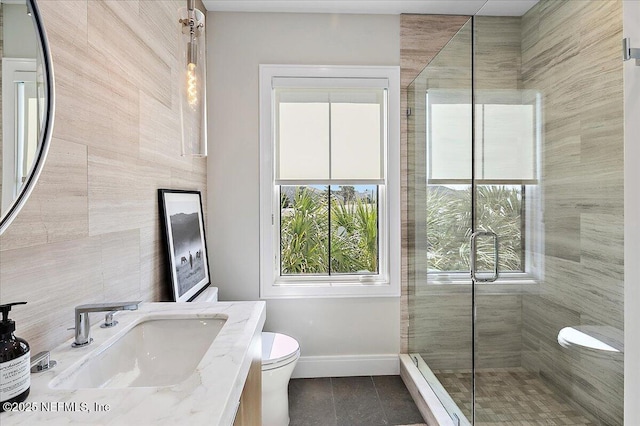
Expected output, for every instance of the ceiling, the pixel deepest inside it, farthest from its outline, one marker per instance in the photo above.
(392, 7)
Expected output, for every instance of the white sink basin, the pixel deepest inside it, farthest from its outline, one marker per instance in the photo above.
(155, 352)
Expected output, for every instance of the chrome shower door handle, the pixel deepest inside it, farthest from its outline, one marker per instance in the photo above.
(474, 256)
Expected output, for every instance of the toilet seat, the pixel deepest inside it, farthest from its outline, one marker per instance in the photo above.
(278, 350)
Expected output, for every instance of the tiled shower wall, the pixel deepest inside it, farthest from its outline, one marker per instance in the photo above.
(497, 65)
(571, 53)
(90, 231)
(421, 38)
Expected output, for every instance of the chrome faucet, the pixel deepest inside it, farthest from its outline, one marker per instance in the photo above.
(83, 326)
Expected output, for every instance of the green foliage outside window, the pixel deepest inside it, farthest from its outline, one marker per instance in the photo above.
(307, 246)
(498, 209)
(351, 246)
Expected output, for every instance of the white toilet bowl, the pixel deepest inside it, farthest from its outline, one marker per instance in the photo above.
(280, 354)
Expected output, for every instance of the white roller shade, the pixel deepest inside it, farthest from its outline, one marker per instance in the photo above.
(302, 149)
(508, 142)
(449, 137)
(505, 137)
(330, 135)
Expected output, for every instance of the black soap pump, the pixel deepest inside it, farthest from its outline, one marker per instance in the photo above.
(15, 374)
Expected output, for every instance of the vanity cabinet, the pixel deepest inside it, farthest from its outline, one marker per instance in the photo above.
(250, 408)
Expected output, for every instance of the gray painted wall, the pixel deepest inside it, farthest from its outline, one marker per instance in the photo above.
(19, 33)
(239, 42)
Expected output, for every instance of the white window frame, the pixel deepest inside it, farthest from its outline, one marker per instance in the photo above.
(387, 282)
(533, 232)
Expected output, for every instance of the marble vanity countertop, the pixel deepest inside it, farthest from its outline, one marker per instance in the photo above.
(209, 396)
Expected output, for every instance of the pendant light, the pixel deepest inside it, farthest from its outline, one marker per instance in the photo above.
(193, 109)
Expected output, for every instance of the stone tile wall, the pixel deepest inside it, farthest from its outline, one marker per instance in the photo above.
(421, 38)
(571, 54)
(90, 231)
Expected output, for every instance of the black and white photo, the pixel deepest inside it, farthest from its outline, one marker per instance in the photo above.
(182, 216)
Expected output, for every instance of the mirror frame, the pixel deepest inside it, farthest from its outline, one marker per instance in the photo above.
(47, 125)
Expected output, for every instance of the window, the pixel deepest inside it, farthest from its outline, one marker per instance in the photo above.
(507, 141)
(329, 230)
(500, 208)
(329, 179)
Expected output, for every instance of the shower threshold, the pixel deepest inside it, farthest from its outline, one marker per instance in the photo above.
(432, 399)
(503, 396)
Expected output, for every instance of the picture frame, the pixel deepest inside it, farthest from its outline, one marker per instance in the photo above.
(185, 243)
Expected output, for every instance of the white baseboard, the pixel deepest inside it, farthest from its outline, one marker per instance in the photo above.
(346, 365)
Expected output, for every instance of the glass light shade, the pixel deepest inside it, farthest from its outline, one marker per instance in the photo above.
(193, 99)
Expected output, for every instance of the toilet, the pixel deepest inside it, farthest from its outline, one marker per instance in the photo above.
(280, 354)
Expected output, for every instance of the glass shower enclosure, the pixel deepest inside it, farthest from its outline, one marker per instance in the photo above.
(496, 325)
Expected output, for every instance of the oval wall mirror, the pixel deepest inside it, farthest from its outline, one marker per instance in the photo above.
(27, 104)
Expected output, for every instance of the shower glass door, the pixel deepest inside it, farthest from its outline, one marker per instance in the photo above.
(515, 144)
(440, 152)
(473, 166)
(507, 210)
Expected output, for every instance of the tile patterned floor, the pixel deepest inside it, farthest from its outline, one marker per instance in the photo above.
(510, 397)
(351, 401)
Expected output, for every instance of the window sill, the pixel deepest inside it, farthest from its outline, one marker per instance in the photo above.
(500, 281)
(292, 290)
(507, 285)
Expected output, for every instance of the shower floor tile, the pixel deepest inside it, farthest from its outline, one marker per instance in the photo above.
(510, 397)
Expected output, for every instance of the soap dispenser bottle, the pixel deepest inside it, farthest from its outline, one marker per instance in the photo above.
(15, 374)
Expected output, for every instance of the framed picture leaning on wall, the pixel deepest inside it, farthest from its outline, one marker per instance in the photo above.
(183, 225)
